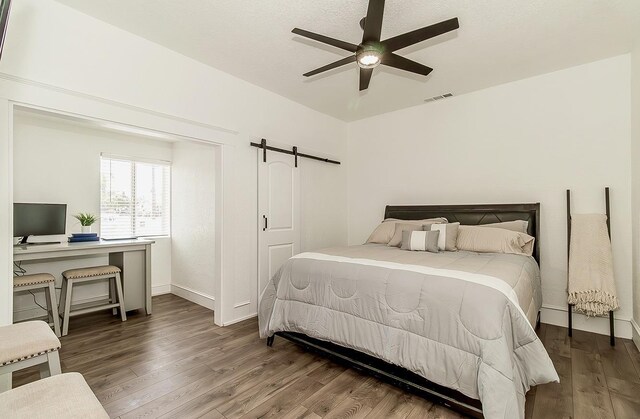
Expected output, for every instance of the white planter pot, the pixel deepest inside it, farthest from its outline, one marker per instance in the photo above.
(86, 229)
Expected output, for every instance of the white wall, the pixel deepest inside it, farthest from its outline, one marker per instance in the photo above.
(193, 205)
(635, 156)
(59, 58)
(57, 161)
(6, 217)
(526, 141)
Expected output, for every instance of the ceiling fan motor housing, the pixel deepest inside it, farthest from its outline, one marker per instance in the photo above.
(369, 54)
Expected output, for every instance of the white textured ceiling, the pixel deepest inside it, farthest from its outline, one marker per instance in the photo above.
(498, 41)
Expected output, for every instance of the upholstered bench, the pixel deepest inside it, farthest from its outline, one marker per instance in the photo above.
(97, 273)
(24, 345)
(62, 396)
(45, 282)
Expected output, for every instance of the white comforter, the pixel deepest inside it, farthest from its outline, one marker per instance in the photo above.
(460, 319)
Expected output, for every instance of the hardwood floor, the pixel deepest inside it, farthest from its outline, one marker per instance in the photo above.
(178, 364)
(596, 380)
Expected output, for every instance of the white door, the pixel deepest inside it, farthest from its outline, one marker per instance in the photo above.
(278, 214)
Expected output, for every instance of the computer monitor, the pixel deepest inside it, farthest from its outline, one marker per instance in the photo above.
(38, 220)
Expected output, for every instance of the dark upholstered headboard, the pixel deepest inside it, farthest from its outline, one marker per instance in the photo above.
(474, 215)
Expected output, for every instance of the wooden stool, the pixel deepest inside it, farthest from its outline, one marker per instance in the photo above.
(26, 344)
(62, 396)
(41, 281)
(76, 276)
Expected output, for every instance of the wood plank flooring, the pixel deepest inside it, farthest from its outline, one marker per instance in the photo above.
(178, 364)
(596, 380)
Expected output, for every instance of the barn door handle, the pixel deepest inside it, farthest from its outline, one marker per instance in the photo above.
(266, 223)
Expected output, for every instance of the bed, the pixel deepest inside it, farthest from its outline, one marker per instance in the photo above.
(457, 327)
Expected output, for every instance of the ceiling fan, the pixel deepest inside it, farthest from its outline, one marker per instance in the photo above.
(372, 52)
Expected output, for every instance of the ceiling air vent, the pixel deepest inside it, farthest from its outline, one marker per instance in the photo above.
(433, 99)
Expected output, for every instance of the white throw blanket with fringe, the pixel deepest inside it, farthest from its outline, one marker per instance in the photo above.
(592, 288)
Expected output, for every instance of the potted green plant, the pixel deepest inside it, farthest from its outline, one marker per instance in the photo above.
(86, 221)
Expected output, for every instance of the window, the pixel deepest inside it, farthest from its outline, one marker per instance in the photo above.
(134, 198)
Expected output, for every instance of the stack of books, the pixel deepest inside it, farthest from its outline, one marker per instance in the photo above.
(84, 237)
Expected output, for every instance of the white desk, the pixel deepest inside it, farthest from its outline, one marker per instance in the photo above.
(132, 256)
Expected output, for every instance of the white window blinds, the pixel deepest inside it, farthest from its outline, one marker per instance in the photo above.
(135, 198)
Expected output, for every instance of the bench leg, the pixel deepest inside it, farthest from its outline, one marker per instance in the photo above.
(123, 313)
(49, 302)
(112, 294)
(51, 366)
(67, 306)
(5, 382)
(53, 361)
(54, 308)
(63, 298)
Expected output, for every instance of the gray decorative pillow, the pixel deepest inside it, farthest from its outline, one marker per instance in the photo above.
(448, 235)
(420, 240)
(386, 230)
(396, 240)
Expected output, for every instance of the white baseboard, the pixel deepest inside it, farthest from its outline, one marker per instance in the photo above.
(234, 321)
(635, 332)
(242, 304)
(161, 289)
(558, 316)
(194, 296)
(35, 312)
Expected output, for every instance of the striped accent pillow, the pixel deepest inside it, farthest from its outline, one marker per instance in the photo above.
(448, 235)
(420, 240)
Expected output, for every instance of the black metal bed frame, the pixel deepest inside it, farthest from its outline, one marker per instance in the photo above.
(396, 375)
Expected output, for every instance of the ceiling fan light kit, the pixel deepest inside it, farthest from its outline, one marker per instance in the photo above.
(372, 52)
(369, 56)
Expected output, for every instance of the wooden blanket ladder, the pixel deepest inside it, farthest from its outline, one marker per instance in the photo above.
(612, 338)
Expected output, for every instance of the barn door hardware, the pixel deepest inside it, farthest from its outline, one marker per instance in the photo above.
(263, 145)
(294, 152)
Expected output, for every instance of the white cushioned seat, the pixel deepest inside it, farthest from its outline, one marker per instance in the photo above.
(89, 272)
(22, 341)
(60, 396)
(32, 279)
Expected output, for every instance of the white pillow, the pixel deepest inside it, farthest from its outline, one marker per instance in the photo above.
(494, 240)
(448, 235)
(516, 225)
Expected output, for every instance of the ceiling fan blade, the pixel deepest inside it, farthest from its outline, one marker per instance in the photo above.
(333, 65)
(396, 61)
(419, 35)
(373, 21)
(365, 78)
(326, 40)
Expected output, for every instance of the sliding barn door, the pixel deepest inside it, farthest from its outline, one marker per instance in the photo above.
(278, 214)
